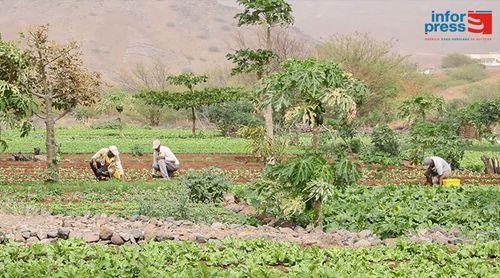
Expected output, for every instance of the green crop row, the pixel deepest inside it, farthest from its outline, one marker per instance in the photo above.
(391, 211)
(252, 258)
(155, 199)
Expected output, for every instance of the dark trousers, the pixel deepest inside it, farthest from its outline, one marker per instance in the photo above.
(100, 172)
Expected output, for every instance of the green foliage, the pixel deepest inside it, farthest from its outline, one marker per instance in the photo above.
(261, 146)
(82, 114)
(189, 99)
(247, 258)
(382, 158)
(206, 186)
(152, 113)
(137, 150)
(469, 73)
(188, 80)
(380, 209)
(269, 12)
(15, 104)
(438, 140)
(251, 61)
(385, 73)
(113, 100)
(311, 177)
(483, 115)
(80, 139)
(111, 124)
(231, 115)
(455, 60)
(420, 106)
(153, 199)
(384, 139)
(304, 89)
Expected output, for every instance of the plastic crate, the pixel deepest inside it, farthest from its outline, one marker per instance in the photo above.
(451, 182)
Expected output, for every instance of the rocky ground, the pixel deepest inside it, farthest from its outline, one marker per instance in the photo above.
(103, 229)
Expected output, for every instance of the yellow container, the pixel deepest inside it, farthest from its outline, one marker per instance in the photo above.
(451, 182)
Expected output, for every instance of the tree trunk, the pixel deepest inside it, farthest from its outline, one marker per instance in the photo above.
(50, 142)
(315, 137)
(120, 126)
(318, 222)
(193, 118)
(268, 111)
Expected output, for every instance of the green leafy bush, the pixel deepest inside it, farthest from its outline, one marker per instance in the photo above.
(137, 150)
(206, 185)
(472, 209)
(112, 124)
(455, 60)
(384, 139)
(303, 183)
(246, 258)
(230, 116)
(469, 73)
(441, 139)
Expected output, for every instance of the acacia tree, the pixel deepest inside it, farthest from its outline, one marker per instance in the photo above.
(15, 105)
(189, 80)
(268, 13)
(192, 99)
(58, 81)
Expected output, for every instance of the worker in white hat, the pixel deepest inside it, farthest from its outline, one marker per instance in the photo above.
(436, 170)
(106, 163)
(164, 160)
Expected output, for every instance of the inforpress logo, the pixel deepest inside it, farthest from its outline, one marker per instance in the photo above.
(480, 22)
(459, 25)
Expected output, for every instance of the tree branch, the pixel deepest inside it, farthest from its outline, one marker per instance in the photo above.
(39, 116)
(37, 94)
(62, 115)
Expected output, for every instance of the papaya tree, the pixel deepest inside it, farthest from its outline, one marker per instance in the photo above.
(419, 107)
(267, 13)
(58, 81)
(305, 90)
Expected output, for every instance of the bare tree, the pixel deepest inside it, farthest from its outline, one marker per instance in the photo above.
(142, 76)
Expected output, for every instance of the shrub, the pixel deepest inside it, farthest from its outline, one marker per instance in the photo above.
(470, 73)
(206, 185)
(137, 150)
(230, 116)
(456, 60)
(300, 185)
(82, 114)
(260, 146)
(112, 124)
(436, 139)
(355, 144)
(384, 139)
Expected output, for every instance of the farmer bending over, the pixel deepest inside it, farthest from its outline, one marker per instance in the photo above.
(436, 170)
(106, 163)
(164, 160)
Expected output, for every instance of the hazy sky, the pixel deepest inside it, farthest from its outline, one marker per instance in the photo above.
(402, 20)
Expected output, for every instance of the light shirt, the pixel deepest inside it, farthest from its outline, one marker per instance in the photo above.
(167, 153)
(440, 165)
(113, 164)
